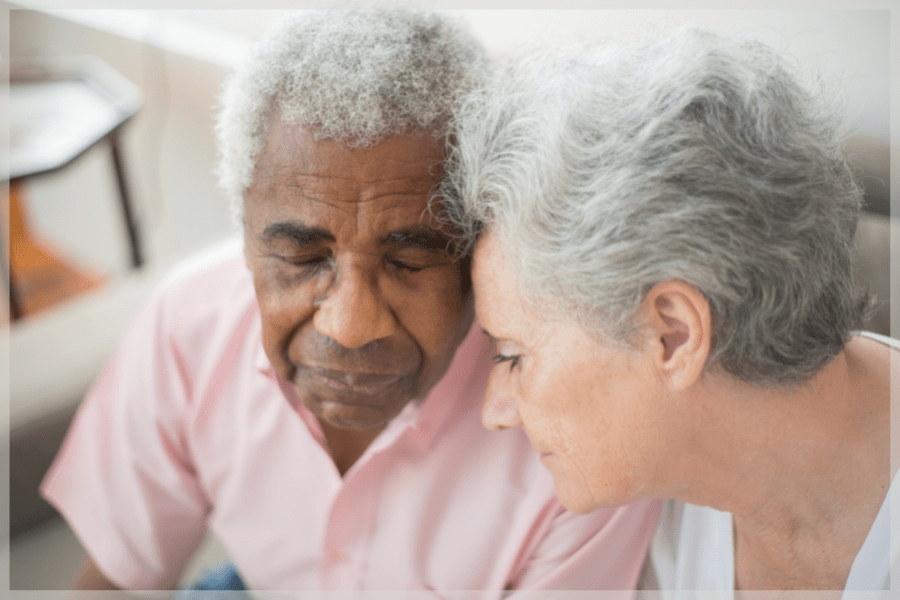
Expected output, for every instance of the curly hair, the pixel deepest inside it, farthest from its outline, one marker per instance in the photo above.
(356, 76)
(686, 156)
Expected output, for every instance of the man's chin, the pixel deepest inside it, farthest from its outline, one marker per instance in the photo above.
(343, 415)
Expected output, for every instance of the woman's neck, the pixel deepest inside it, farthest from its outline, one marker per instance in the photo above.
(803, 470)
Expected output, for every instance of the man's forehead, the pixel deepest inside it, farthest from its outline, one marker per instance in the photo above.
(302, 183)
(415, 149)
(399, 170)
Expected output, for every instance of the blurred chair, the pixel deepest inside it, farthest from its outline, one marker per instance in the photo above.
(58, 111)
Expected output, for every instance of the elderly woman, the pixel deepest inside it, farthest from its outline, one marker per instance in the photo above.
(664, 239)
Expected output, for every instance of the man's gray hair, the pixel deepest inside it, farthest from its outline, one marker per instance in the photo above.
(685, 156)
(356, 76)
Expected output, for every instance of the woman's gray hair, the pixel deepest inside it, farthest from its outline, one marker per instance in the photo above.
(685, 156)
(356, 76)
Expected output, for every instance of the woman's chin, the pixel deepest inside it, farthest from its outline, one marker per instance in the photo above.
(572, 494)
(579, 496)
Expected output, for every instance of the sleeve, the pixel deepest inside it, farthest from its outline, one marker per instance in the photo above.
(123, 478)
(602, 550)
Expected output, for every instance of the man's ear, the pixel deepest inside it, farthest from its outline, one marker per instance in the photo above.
(677, 319)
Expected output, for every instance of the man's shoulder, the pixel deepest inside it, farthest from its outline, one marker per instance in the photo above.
(210, 290)
(218, 261)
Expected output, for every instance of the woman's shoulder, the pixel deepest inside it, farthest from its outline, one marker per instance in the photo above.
(875, 359)
(888, 341)
(874, 362)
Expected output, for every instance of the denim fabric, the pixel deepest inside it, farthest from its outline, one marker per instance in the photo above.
(223, 578)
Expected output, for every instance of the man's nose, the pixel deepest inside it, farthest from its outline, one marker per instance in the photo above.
(500, 411)
(354, 313)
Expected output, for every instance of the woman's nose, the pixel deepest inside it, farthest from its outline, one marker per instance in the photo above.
(500, 411)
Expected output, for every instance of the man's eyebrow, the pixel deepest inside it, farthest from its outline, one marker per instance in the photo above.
(418, 237)
(296, 232)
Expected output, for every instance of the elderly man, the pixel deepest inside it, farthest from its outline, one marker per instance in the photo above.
(315, 401)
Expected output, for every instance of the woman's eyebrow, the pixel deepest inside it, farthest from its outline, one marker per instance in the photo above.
(489, 335)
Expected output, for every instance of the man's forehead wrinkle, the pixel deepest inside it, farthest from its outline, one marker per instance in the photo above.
(330, 200)
(414, 181)
(409, 186)
(297, 176)
(302, 194)
(417, 174)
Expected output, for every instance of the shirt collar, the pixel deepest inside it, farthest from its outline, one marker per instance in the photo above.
(463, 383)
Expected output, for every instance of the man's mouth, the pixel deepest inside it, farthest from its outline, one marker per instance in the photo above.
(357, 384)
(352, 400)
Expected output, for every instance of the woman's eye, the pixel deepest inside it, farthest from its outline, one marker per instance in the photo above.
(512, 359)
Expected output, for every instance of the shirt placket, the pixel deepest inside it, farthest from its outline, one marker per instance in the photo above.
(352, 519)
(347, 537)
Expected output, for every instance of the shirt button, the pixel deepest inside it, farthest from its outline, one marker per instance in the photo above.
(339, 557)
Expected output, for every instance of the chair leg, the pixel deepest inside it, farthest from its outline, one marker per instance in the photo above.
(127, 212)
(15, 306)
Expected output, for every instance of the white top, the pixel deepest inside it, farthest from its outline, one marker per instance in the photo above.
(693, 547)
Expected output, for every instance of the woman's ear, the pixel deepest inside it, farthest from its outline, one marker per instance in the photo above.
(677, 319)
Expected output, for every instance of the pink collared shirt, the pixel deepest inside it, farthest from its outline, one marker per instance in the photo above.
(189, 428)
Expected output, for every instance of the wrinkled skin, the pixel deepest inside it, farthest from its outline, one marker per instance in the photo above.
(597, 415)
(362, 304)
